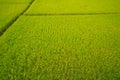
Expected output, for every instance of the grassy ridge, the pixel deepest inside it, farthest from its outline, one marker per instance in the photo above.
(13, 1)
(62, 48)
(9, 10)
(9, 13)
(74, 6)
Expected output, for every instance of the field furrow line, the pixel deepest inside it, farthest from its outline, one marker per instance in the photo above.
(15, 19)
(69, 14)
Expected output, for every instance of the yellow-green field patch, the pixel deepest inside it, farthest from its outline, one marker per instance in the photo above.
(61, 48)
(74, 6)
(14, 1)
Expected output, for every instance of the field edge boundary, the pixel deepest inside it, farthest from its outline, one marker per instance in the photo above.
(10, 23)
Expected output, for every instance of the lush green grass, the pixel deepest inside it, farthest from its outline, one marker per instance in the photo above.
(13, 1)
(9, 10)
(74, 6)
(9, 13)
(61, 48)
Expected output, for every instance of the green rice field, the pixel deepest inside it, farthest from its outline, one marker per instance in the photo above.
(74, 6)
(59, 40)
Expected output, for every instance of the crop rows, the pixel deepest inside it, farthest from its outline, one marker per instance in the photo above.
(60, 40)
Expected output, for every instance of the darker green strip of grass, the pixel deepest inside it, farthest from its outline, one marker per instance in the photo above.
(52, 14)
(5, 28)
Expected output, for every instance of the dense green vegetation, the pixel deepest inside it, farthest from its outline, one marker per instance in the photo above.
(13, 1)
(60, 47)
(9, 13)
(9, 10)
(74, 6)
